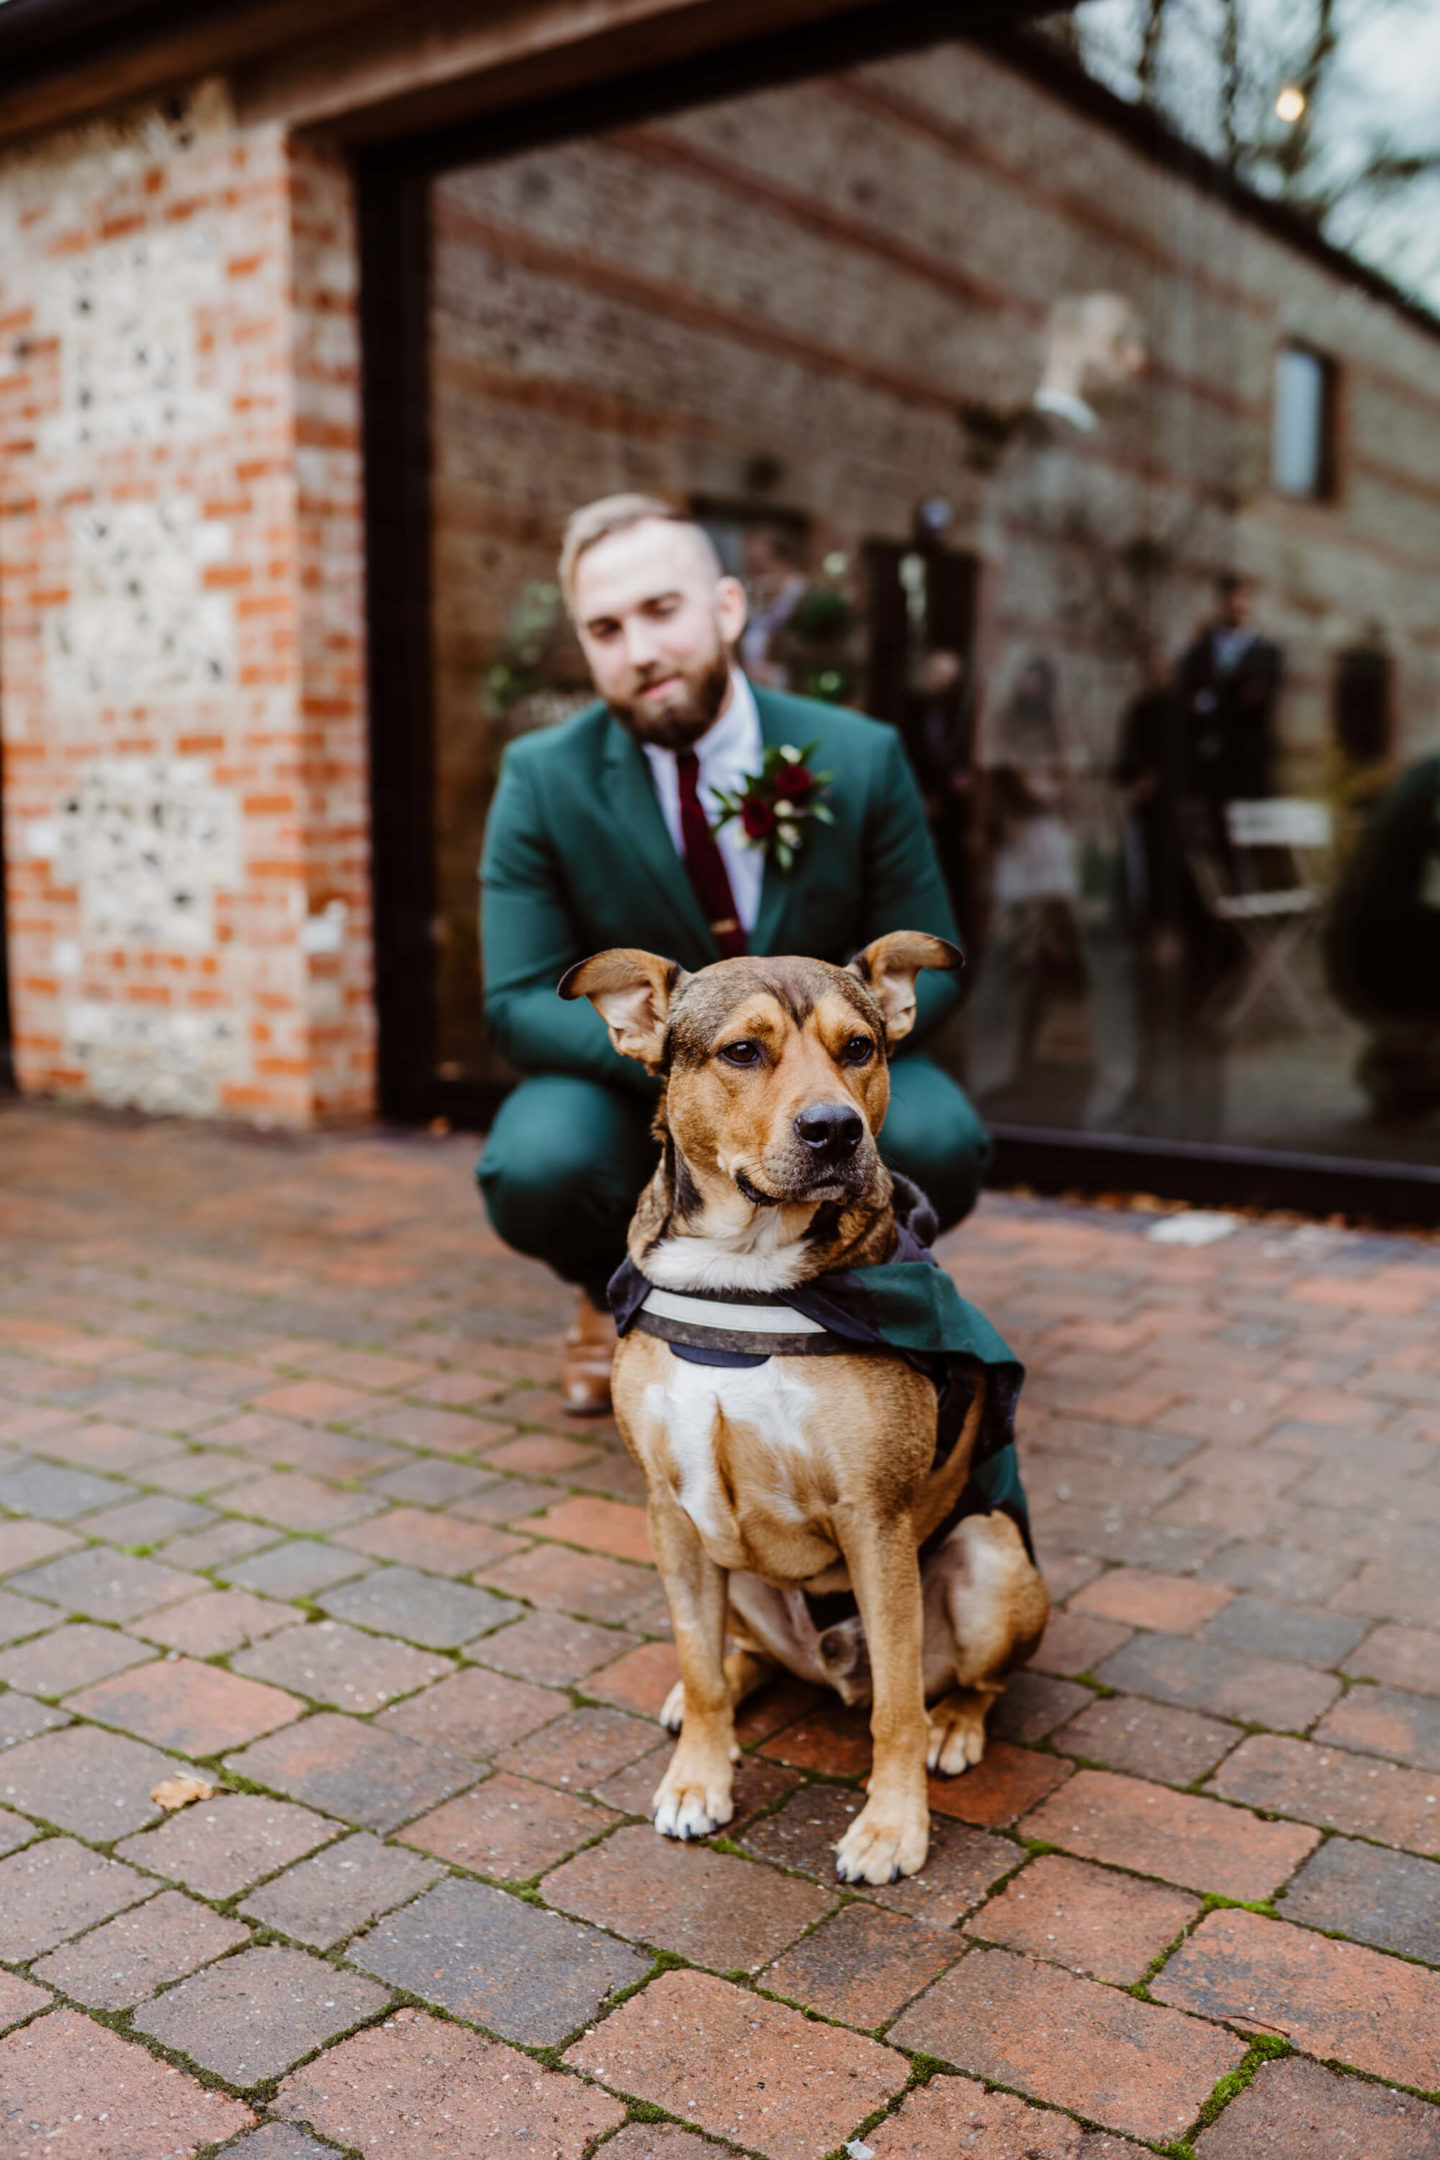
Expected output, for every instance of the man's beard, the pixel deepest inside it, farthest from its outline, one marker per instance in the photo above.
(677, 725)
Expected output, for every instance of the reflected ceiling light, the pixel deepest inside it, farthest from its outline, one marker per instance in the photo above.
(1290, 103)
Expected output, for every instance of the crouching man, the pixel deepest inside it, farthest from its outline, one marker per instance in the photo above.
(606, 831)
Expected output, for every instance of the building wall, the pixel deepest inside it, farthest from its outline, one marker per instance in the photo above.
(181, 618)
(816, 280)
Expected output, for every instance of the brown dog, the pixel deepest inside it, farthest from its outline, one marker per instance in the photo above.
(768, 1480)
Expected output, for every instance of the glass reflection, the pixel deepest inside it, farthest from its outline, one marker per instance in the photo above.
(1071, 401)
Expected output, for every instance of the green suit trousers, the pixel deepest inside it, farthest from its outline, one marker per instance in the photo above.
(567, 1158)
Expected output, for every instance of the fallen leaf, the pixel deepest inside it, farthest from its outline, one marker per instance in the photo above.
(176, 1792)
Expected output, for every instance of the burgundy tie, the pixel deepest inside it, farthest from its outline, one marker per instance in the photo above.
(704, 862)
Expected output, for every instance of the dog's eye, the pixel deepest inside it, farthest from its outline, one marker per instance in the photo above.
(858, 1051)
(744, 1052)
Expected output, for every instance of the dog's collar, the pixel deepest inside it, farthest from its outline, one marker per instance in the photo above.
(744, 1324)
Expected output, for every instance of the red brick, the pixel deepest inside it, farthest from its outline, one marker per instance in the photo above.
(321, 1900)
(508, 1828)
(303, 1504)
(587, 1584)
(1109, 1926)
(357, 1771)
(19, 2000)
(116, 1966)
(182, 1704)
(440, 1544)
(97, 1784)
(220, 1846)
(1335, 1789)
(639, 1681)
(322, 1400)
(775, 1705)
(953, 2115)
(1399, 1657)
(93, 2096)
(1383, 1721)
(1296, 2108)
(831, 1739)
(606, 1526)
(1151, 1739)
(1001, 1787)
(1181, 1837)
(710, 1907)
(444, 1432)
(539, 1455)
(252, 2016)
(416, 2089)
(551, 1648)
(1128, 2065)
(1129, 1405)
(1332, 1999)
(1140, 1598)
(328, 1662)
(1202, 1675)
(1383, 1591)
(742, 2067)
(369, 1369)
(525, 1972)
(475, 1712)
(55, 1888)
(862, 1965)
(662, 2141)
(1075, 1643)
(26, 1544)
(70, 1657)
(214, 1623)
(456, 1390)
(580, 1749)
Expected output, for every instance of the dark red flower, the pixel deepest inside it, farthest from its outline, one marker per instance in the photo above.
(758, 818)
(793, 783)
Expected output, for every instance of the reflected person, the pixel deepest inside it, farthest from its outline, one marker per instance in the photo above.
(1382, 947)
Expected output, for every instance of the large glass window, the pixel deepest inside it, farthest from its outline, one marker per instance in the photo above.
(1076, 412)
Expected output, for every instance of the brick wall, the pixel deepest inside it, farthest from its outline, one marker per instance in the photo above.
(181, 618)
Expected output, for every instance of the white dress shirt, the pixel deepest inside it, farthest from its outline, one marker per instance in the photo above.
(729, 751)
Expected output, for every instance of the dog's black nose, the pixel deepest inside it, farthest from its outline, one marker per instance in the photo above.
(829, 1128)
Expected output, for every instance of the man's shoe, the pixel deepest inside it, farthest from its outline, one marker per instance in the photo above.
(585, 1367)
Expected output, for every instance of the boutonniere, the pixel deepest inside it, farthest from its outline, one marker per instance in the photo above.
(775, 804)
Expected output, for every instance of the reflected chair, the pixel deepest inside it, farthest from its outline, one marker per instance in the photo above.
(1270, 893)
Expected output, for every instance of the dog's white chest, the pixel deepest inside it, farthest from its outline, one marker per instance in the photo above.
(769, 1404)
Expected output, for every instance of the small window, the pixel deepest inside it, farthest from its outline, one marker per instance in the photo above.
(1304, 447)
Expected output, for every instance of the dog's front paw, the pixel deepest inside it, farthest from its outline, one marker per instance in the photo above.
(956, 1739)
(693, 1799)
(882, 1844)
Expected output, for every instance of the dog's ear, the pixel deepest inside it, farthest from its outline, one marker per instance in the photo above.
(632, 991)
(888, 969)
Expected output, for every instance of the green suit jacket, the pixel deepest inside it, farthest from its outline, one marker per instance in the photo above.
(577, 858)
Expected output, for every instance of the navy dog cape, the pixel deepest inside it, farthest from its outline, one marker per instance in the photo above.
(908, 1304)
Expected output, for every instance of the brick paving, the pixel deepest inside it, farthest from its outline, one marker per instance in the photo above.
(287, 1499)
